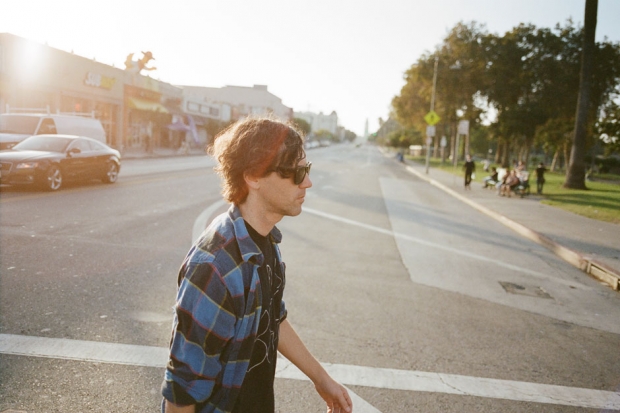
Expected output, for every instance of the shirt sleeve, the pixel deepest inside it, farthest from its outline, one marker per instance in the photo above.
(203, 326)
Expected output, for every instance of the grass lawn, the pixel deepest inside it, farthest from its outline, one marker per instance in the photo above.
(600, 201)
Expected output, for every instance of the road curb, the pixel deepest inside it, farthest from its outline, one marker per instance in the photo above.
(585, 263)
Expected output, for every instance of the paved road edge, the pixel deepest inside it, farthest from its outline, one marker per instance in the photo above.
(585, 263)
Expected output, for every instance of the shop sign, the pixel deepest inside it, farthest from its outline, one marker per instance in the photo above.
(98, 80)
(146, 94)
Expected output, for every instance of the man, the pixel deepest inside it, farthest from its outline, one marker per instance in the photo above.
(492, 179)
(469, 167)
(540, 177)
(230, 319)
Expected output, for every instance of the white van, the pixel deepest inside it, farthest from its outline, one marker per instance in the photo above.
(15, 127)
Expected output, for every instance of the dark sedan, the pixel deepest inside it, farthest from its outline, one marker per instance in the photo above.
(50, 160)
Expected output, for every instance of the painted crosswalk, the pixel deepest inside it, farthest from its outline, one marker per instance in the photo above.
(350, 375)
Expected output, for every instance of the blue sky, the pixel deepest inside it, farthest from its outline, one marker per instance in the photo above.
(319, 55)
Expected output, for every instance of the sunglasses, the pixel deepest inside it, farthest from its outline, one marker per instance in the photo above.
(298, 173)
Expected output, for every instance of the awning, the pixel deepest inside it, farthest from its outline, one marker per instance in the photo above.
(148, 105)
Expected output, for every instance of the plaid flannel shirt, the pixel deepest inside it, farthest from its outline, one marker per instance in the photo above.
(217, 313)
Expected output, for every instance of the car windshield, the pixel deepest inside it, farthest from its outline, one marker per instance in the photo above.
(44, 143)
(22, 124)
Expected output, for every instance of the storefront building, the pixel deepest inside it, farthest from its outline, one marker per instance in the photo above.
(39, 78)
(35, 77)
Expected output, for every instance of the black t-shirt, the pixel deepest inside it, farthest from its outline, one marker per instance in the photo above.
(469, 167)
(256, 395)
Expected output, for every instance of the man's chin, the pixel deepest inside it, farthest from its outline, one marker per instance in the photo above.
(295, 212)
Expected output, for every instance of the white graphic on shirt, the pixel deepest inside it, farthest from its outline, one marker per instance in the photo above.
(265, 344)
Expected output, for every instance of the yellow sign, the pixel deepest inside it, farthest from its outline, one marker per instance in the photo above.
(432, 118)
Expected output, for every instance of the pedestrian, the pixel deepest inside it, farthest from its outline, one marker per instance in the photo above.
(485, 165)
(510, 182)
(230, 319)
(492, 179)
(540, 177)
(469, 167)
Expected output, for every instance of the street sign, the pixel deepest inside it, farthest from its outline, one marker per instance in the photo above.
(463, 127)
(430, 131)
(443, 142)
(429, 140)
(432, 118)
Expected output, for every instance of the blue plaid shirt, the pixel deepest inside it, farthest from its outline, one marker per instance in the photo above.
(217, 313)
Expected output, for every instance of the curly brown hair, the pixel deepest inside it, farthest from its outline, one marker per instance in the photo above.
(257, 147)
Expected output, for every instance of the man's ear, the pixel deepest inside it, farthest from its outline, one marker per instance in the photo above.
(251, 181)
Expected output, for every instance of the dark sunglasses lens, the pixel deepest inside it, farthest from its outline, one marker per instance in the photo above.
(300, 173)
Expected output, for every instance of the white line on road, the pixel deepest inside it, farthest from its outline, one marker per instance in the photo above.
(126, 354)
(149, 356)
(441, 247)
(201, 222)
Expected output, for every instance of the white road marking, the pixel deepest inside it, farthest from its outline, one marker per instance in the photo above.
(149, 356)
(93, 351)
(201, 222)
(439, 246)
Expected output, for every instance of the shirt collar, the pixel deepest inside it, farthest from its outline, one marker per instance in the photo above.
(247, 247)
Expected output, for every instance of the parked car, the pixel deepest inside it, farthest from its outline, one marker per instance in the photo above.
(49, 160)
(15, 127)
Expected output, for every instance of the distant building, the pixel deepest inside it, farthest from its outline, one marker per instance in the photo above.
(136, 111)
(235, 102)
(319, 121)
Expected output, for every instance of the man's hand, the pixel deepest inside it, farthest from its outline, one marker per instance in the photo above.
(335, 395)
(291, 347)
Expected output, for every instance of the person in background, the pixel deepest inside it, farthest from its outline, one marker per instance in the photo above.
(230, 319)
(469, 167)
(492, 179)
(540, 178)
(510, 183)
(485, 165)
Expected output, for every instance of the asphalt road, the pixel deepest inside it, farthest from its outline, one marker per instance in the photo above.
(384, 271)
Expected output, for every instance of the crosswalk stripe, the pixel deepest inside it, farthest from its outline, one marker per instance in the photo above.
(150, 356)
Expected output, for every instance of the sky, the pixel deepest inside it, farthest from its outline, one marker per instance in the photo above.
(347, 56)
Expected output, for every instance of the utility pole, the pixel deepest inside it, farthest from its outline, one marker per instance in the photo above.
(431, 129)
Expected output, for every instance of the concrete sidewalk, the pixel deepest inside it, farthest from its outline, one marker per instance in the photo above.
(591, 245)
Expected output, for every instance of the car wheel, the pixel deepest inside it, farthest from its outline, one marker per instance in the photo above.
(111, 174)
(53, 178)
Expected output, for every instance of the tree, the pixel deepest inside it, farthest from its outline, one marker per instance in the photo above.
(520, 69)
(608, 128)
(576, 174)
(460, 75)
(324, 134)
(404, 138)
(530, 76)
(303, 125)
(555, 137)
(349, 135)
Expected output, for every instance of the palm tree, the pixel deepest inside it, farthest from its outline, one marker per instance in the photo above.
(576, 173)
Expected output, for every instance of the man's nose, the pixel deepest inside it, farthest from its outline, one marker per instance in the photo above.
(307, 182)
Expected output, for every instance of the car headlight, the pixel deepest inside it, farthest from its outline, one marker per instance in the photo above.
(27, 165)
